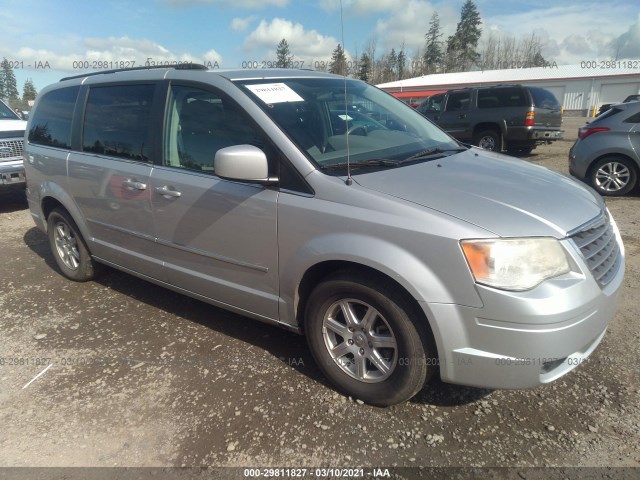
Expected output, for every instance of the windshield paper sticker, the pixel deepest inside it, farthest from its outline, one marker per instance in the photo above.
(275, 93)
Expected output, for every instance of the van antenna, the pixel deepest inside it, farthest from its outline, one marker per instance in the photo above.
(349, 181)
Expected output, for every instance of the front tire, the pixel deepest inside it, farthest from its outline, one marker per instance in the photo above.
(367, 339)
(613, 176)
(68, 247)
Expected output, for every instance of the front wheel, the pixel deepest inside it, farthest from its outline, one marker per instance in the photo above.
(68, 247)
(364, 339)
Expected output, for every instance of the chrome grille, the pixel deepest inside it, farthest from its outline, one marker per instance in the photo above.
(600, 249)
(10, 148)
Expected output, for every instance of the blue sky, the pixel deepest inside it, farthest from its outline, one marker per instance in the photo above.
(236, 33)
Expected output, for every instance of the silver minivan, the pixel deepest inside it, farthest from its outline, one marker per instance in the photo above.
(325, 206)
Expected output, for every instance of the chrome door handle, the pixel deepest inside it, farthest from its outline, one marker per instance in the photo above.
(135, 185)
(166, 191)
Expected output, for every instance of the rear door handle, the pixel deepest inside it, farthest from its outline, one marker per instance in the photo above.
(134, 185)
(462, 115)
(166, 191)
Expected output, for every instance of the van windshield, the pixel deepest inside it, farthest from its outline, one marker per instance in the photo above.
(375, 126)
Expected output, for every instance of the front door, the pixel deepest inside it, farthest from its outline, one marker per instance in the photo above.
(218, 238)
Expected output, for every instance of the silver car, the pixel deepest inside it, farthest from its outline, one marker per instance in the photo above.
(327, 207)
(607, 152)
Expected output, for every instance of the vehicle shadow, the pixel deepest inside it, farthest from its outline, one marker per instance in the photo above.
(13, 201)
(287, 347)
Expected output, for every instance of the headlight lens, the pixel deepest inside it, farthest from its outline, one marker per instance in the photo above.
(515, 263)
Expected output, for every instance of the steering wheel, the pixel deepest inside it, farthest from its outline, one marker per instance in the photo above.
(355, 128)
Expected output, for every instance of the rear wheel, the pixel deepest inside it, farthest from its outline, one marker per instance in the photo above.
(489, 140)
(68, 247)
(363, 337)
(613, 176)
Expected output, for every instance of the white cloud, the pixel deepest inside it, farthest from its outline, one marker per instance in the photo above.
(304, 45)
(232, 3)
(570, 31)
(359, 7)
(409, 21)
(111, 52)
(241, 24)
(627, 45)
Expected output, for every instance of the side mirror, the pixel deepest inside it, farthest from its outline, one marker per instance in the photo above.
(242, 162)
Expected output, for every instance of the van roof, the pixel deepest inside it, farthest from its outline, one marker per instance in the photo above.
(159, 71)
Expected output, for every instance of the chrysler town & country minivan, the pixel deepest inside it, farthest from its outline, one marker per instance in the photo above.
(327, 207)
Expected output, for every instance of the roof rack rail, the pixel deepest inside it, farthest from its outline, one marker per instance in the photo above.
(177, 66)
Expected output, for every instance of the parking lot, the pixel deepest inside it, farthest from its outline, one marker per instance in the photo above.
(132, 374)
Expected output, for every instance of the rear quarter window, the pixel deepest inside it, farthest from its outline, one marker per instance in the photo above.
(544, 98)
(501, 97)
(51, 121)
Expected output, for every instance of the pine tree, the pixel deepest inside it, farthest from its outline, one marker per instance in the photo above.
(284, 59)
(8, 85)
(433, 54)
(338, 63)
(462, 45)
(364, 71)
(401, 63)
(28, 91)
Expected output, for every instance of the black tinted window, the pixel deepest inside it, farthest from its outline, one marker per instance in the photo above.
(608, 113)
(117, 121)
(633, 118)
(458, 101)
(544, 98)
(51, 123)
(501, 97)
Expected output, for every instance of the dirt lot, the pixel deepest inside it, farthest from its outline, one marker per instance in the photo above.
(141, 376)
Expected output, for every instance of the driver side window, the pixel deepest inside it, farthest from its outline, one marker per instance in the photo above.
(201, 122)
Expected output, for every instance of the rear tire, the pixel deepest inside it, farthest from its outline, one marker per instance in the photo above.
(68, 247)
(489, 140)
(611, 176)
(368, 340)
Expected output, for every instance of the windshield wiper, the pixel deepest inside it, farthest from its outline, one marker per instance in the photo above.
(387, 162)
(375, 162)
(429, 152)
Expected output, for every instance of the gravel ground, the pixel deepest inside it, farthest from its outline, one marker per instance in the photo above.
(141, 376)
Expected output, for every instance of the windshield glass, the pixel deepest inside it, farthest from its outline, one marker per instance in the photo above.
(376, 126)
(6, 113)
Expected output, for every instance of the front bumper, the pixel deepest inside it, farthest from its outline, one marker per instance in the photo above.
(525, 339)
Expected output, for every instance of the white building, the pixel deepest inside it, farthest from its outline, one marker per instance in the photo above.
(579, 88)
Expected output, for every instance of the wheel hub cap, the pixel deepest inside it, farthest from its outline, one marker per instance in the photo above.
(359, 340)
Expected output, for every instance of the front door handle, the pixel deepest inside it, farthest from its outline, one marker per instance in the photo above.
(462, 115)
(134, 185)
(166, 191)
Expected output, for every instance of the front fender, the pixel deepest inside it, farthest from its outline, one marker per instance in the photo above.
(411, 272)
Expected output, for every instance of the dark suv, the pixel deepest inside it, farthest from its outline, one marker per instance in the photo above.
(515, 118)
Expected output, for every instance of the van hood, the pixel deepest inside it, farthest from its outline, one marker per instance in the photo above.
(501, 194)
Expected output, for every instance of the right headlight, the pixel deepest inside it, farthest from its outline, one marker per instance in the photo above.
(515, 263)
